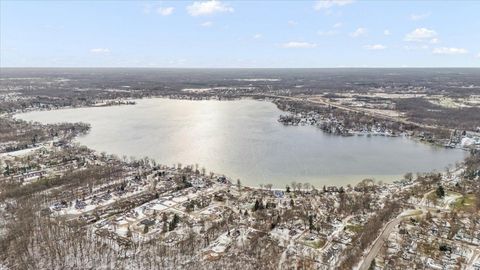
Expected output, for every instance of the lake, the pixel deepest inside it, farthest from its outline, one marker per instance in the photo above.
(243, 140)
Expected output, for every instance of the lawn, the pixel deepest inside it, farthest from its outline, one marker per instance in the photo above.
(465, 202)
(314, 244)
(354, 228)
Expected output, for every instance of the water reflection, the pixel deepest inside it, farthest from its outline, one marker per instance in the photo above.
(243, 139)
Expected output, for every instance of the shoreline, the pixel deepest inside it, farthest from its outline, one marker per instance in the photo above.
(247, 97)
(352, 179)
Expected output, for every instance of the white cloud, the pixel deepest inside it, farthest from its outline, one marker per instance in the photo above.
(100, 50)
(375, 47)
(200, 8)
(327, 33)
(359, 32)
(257, 36)
(297, 44)
(165, 11)
(337, 25)
(478, 55)
(417, 17)
(326, 4)
(422, 35)
(292, 23)
(206, 24)
(387, 32)
(451, 50)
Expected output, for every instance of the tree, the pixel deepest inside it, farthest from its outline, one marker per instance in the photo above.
(272, 226)
(294, 185)
(372, 265)
(440, 192)
(173, 224)
(7, 171)
(258, 205)
(239, 184)
(269, 186)
(306, 186)
(165, 227)
(310, 223)
(287, 189)
(190, 206)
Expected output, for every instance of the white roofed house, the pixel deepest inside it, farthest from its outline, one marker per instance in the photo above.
(197, 182)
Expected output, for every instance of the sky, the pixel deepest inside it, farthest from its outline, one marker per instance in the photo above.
(244, 34)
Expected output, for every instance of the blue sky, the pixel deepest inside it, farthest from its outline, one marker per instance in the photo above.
(335, 33)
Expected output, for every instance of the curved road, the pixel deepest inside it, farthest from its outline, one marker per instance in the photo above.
(379, 243)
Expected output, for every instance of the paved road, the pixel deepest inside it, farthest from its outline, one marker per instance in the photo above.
(379, 243)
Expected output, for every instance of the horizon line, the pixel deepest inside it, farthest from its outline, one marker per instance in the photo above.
(148, 67)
